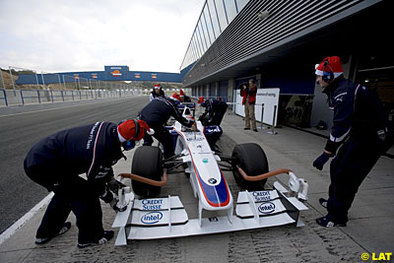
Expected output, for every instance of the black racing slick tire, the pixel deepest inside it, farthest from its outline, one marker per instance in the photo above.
(252, 159)
(147, 162)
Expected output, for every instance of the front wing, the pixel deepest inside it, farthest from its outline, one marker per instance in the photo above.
(159, 218)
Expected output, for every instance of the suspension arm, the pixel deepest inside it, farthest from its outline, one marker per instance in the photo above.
(262, 176)
(147, 180)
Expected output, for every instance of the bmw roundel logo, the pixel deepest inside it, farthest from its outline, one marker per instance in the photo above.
(212, 180)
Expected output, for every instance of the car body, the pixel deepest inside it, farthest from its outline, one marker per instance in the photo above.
(166, 217)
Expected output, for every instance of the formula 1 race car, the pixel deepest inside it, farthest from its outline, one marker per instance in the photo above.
(153, 217)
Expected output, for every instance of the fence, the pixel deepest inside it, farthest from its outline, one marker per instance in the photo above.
(26, 96)
(24, 86)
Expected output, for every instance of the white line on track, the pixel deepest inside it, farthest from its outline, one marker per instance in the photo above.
(18, 224)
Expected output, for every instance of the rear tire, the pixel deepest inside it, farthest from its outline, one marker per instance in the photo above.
(147, 162)
(252, 159)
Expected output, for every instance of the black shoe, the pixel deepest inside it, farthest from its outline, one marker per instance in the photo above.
(246, 128)
(323, 202)
(326, 222)
(255, 130)
(107, 236)
(43, 240)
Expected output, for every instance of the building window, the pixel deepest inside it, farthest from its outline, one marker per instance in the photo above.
(230, 10)
(208, 21)
(222, 14)
(198, 43)
(241, 4)
(214, 17)
(205, 28)
(202, 37)
(195, 52)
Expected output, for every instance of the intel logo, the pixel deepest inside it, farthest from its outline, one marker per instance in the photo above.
(151, 218)
(267, 208)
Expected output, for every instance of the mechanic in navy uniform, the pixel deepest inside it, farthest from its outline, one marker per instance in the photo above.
(211, 119)
(56, 162)
(359, 124)
(214, 111)
(156, 114)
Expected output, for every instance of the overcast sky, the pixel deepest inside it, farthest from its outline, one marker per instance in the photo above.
(75, 35)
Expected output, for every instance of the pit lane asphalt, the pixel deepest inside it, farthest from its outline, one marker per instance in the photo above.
(368, 234)
(22, 126)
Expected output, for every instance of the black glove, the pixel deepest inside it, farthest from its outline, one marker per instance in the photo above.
(114, 185)
(321, 160)
(104, 174)
(114, 206)
(107, 196)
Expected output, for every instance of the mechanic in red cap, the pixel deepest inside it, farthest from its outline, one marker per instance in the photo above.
(214, 111)
(176, 96)
(157, 92)
(56, 162)
(183, 96)
(359, 125)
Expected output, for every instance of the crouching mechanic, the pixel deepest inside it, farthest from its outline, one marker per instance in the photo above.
(156, 114)
(214, 111)
(359, 124)
(56, 162)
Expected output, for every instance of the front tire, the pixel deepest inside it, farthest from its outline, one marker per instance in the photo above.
(252, 159)
(147, 162)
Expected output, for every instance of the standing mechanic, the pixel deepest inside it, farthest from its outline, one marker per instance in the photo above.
(157, 92)
(55, 163)
(360, 125)
(156, 114)
(214, 111)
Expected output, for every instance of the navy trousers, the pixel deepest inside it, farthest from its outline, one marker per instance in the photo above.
(218, 115)
(348, 169)
(72, 194)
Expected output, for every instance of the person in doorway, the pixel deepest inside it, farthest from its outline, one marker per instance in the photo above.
(157, 92)
(359, 126)
(248, 94)
(56, 162)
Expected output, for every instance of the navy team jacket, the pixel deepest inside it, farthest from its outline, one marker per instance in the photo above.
(358, 112)
(212, 105)
(85, 149)
(159, 110)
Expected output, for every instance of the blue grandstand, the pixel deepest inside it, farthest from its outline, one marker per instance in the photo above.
(110, 73)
